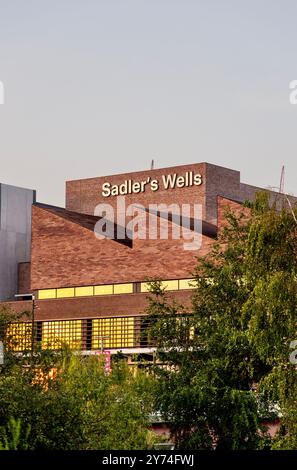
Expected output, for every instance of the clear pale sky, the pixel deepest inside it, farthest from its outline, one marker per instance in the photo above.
(96, 87)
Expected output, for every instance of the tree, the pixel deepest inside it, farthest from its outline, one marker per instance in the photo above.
(12, 436)
(228, 359)
(62, 401)
(80, 407)
(115, 407)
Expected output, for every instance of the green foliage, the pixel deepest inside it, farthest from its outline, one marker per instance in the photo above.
(11, 436)
(82, 408)
(114, 407)
(234, 371)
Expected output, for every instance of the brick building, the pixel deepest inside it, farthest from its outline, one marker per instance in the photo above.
(92, 292)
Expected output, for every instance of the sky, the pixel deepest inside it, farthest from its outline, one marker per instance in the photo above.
(97, 87)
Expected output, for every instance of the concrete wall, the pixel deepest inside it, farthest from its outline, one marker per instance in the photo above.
(15, 235)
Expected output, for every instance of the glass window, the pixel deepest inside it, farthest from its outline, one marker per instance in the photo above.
(19, 336)
(170, 285)
(123, 288)
(84, 291)
(55, 334)
(116, 332)
(167, 285)
(67, 292)
(103, 290)
(144, 287)
(47, 294)
(192, 332)
(186, 284)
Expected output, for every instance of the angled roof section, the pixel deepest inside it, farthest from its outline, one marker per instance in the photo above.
(208, 229)
(84, 220)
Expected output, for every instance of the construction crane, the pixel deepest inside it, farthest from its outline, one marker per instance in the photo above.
(282, 192)
(282, 181)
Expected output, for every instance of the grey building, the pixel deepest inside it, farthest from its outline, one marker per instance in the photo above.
(15, 235)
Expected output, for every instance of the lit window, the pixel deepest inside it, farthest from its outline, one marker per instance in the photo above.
(170, 285)
(67, 292)
(115, 332)
(186, 283)
(144, 287)
(47, 294)
(84, 291)
(167, 285)
(56, 334)
(19, 336)
(103, 290)
(123, 288)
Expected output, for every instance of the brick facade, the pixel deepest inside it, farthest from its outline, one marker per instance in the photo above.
(131, 305)
(66, 253)
(83, 195)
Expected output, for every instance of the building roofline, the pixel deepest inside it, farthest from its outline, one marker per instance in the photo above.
(152, 170)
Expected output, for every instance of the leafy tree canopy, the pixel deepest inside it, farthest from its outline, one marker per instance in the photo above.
(228, 367)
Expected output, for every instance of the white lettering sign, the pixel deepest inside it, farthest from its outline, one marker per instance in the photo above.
(170, 181)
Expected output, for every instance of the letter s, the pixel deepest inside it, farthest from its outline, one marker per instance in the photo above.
(197, 179)
(154, 185)
(106, 189)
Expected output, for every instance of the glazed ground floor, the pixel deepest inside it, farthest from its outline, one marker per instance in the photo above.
(116, 322)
